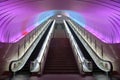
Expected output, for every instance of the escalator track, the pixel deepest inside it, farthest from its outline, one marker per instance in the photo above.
(84, 51)
(26, 69)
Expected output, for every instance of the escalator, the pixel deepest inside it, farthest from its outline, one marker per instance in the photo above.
(26, 68)
(84, 51)
(60, 58)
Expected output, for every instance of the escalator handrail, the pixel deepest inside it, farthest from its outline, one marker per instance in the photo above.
(108, 62)
(16, 63)
(37, 63)
(77, 50)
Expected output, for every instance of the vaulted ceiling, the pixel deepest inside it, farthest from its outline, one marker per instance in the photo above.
(102, 17)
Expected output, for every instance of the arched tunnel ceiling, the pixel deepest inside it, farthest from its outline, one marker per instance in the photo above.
(102, 16)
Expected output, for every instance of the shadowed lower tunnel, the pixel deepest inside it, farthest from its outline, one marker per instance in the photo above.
(59, 39)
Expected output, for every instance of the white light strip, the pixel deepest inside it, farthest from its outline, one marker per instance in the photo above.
(74, 42)
(39, 58)
(80, 54)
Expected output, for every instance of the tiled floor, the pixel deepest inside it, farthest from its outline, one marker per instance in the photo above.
(54, 77)
(59, 77)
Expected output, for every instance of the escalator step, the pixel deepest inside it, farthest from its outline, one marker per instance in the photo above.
(60, 59)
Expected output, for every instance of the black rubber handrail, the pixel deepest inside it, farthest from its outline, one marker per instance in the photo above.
(10, 66)
(111, 67)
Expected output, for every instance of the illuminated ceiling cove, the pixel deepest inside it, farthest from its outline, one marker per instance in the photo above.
(100, 17)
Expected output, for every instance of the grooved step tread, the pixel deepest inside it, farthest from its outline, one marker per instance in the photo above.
(60, 58)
